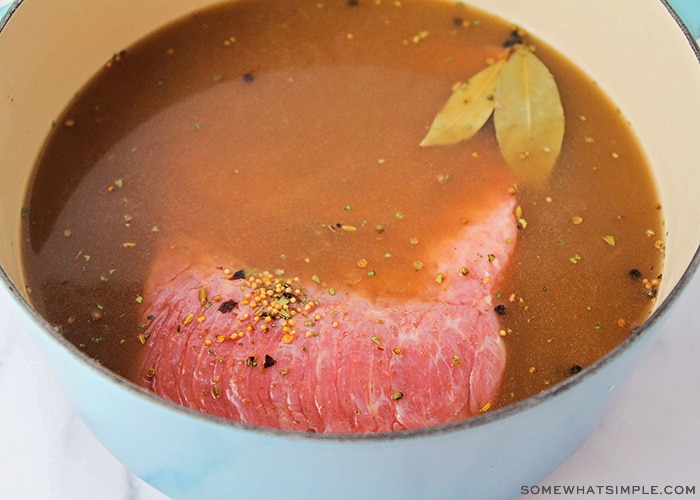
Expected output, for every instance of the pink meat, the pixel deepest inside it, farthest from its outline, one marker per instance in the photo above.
(353, 364)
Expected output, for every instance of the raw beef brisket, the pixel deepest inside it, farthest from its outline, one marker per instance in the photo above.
(270, 351)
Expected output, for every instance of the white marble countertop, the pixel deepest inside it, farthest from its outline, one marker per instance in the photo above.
(650, 438)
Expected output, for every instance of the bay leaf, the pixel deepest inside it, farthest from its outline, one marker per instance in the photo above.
(528, 118)
(467, 109)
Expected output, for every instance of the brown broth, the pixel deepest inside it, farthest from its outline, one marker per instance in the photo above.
(261, 126)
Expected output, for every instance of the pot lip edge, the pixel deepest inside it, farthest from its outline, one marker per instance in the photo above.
(693, 39)
(6, 10)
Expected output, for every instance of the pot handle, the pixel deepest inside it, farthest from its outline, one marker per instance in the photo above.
(689, 12)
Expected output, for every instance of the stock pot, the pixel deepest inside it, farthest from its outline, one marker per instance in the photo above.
(647, 62)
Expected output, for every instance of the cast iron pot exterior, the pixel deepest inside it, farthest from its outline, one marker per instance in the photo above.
(189, 455)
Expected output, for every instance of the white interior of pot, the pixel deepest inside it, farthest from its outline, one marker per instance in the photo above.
(632, 48)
